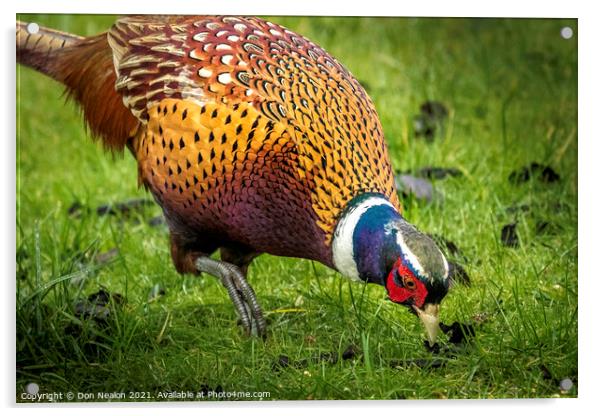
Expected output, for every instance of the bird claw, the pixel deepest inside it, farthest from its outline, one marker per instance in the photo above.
(250, 325)
(253, 322)
(240, 292)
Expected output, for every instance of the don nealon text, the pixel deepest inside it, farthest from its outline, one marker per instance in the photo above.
(135, 396)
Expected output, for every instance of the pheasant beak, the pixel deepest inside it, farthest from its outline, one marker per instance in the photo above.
(429, 315)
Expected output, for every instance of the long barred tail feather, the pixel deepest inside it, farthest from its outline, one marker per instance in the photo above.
(37, 47)
(85, 66)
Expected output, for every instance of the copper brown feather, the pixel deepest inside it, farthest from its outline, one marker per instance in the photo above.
(85, 67)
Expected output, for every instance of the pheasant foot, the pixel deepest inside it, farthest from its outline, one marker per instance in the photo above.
(240, 292)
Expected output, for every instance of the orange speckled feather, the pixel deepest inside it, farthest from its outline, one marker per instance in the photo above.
(243, 118)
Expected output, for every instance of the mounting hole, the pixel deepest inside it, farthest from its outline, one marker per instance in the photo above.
(33, 28)
(566, 384)
(32, 388)
(566, 32)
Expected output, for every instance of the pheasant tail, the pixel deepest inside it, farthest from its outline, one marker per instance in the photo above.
(85, 67)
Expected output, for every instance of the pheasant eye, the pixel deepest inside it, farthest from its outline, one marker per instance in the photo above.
(409, 283)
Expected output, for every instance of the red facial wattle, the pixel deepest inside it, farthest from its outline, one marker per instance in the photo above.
(404, 294)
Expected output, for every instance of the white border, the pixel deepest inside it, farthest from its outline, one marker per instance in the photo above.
(457, 8)
(589, 33)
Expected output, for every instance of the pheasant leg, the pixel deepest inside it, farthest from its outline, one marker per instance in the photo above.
(242, 294)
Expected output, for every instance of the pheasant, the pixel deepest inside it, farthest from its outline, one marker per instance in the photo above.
(253, 140)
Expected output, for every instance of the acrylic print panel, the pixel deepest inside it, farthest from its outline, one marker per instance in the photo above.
(210, 141)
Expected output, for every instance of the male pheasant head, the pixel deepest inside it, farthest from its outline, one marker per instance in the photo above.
(374, 243)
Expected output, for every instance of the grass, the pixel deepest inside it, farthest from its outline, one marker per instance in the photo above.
(511, 88)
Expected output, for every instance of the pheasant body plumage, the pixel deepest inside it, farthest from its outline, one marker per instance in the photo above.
(223, 175)
(248, 130)
(253, 140)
